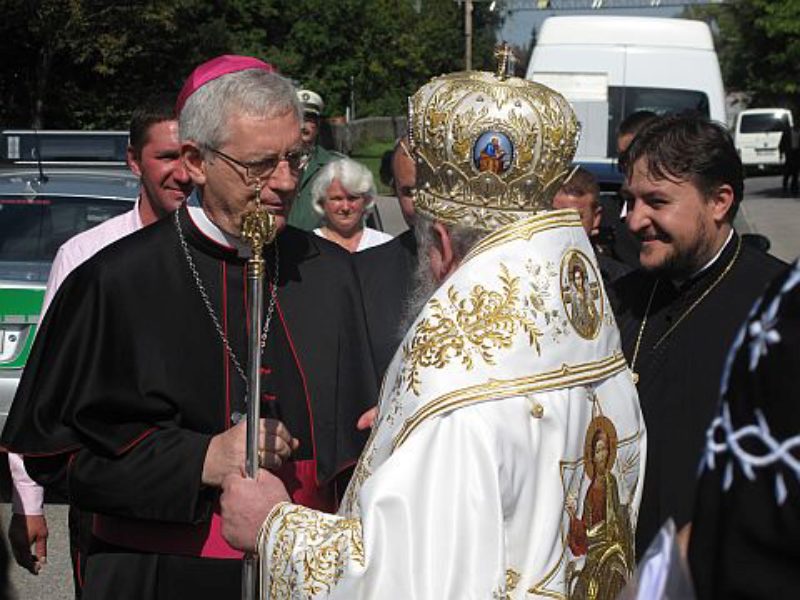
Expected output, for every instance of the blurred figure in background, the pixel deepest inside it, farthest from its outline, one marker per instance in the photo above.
(630, 126)
(343, 193)
(386, 271)
(303, 215)
(746, 521)
(582, 193)
(6, 589)
(790, 149)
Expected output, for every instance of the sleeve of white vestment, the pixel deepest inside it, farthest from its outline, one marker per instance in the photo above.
(430, 525)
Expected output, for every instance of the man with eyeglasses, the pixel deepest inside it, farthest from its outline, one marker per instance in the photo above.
(152, 418)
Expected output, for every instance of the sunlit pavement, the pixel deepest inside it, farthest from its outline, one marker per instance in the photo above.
(55, 580)
(770, 212)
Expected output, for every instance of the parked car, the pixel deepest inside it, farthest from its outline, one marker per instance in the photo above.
(38, 213)
(757, 136)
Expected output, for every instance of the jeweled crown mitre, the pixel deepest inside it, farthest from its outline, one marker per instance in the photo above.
(489, 150)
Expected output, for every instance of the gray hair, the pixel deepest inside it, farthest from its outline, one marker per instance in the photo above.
(424, 284)
(355, 178)
(252, 92)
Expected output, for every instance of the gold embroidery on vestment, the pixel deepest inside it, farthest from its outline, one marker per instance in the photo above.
(525, 230)
(488, 151)
(327, 543)
(361, 473)
(597, 555)
(498, 389)
(510, 584)
(467, 329)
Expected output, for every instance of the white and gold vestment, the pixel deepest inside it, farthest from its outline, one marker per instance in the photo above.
(507, 458)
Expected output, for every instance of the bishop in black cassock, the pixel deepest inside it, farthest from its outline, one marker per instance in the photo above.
(129, 380)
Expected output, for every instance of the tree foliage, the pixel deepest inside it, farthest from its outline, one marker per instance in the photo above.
(758, 42)
(88, 63)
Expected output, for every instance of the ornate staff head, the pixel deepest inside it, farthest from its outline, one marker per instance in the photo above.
(258, 229)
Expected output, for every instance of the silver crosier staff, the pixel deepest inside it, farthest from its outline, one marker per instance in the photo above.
(258, 230)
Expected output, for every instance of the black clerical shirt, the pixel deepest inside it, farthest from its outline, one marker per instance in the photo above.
(679, 374)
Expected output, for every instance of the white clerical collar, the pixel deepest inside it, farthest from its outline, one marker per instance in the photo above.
(210, 229)
(705, 267)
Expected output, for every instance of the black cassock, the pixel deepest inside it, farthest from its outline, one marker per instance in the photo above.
(385, 273)
(129, 379)
(745, 539)
(679, 379)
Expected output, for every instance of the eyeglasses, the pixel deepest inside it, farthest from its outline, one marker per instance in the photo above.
(263, 169)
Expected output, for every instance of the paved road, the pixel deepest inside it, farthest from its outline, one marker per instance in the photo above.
(765, 210)
(55, 580)
(770, 212)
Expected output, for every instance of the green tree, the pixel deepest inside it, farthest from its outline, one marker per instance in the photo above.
(88, 63)
(758, 42)
(381, 50)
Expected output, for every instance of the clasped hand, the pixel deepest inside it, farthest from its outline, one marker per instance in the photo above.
(227, 451)
(246, 503)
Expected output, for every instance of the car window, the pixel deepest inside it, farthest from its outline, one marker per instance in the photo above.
(79, 147)
(760, 123)
(624, 101)
(32, 230)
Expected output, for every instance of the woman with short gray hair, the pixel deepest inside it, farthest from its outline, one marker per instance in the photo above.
(342, 194)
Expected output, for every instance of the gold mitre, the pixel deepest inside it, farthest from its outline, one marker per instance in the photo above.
(489, 149)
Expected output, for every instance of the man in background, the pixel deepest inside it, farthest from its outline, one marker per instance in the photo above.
(582, 193)
(386, 271)
(303, 215)
(154, 156)
(790, 149)
(616, 239)
(630, 126)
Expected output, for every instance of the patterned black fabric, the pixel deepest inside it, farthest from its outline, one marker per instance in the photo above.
(746, 528)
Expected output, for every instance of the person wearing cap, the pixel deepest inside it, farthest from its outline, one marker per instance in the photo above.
(134, 396)
(507, 456)
(303, 215)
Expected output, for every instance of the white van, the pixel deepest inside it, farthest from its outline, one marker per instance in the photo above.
(610, 67)
(757, 135)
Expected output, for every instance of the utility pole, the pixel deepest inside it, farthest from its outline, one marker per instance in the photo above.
(468, 35)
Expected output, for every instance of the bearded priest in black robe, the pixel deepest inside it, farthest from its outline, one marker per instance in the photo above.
(679, 313)
(136, 382)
